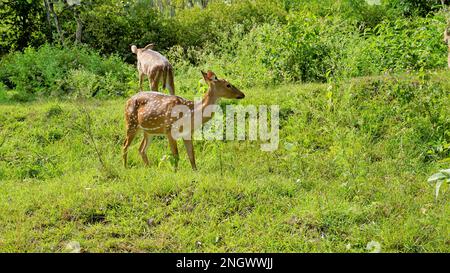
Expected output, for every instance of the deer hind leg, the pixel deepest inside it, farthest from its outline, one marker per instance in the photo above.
(174, 149)
(170, 87)
(143, 148)
(131, 133)
(141, 80)
(169, 83)
(154, 80)
(190, 151)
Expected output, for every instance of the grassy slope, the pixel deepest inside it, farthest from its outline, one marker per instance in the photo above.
(351, 168)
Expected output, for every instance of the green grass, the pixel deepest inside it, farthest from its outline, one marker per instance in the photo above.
(351, 168)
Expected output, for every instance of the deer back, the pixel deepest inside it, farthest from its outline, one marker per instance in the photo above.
(149, 60)
(152, 111)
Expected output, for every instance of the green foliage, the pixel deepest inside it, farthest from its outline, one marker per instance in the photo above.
(413, 7)
(349, 176)
(71, 71)
(262, 41)
(113, 29)
(363, 14)
(357, 141)
(308, 48)
(22, 25)
(196, 26)
(398, 46)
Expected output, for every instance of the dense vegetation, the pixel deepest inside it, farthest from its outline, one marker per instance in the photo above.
(365, 120)
(257, 42)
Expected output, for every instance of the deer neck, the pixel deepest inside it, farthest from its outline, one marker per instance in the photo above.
(209, 99)
(199, 107)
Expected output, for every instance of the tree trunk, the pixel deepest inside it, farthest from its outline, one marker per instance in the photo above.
(79, 26)
(49, 19)
(204, 3)
(55, 18)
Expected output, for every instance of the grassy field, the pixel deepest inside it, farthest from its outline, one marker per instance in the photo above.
(351, 168)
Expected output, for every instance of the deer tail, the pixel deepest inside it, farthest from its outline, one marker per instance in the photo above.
(169, 81)
(164, 77)
(131, 113)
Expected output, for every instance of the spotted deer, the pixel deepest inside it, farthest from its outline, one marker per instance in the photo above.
(155, 66)
(153, 113)
(447, 41)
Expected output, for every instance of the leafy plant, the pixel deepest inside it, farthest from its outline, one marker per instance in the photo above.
(438, 179)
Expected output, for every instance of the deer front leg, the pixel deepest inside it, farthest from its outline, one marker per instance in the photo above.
(174, 149)
(190, 151)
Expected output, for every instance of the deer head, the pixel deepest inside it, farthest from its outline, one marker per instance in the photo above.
(221, 88)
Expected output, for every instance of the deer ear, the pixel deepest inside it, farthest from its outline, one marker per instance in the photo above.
(205, 76)
(211, 76)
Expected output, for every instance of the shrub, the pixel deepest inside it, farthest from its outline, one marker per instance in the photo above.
(196, 27)
(308, 48)
(113, 29)
(413, 7)
(398, 45)
(63, 71)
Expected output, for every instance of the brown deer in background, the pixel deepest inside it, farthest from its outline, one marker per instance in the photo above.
(153, 112)
(155, 66)
(447, 41)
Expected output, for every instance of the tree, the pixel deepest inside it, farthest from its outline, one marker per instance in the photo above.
(75, 5)
(49, 5)
(22, 24)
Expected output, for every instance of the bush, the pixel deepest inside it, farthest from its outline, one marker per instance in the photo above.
(22, 24)
(52, 71)
(308, 48)
(403, 44)
(195, 27)
(113, 29)
(250, 42)
(413, 7)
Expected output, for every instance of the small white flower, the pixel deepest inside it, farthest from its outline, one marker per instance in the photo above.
(73, 247)
(373, 247)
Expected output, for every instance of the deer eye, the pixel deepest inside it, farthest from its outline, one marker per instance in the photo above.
(228, 85)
